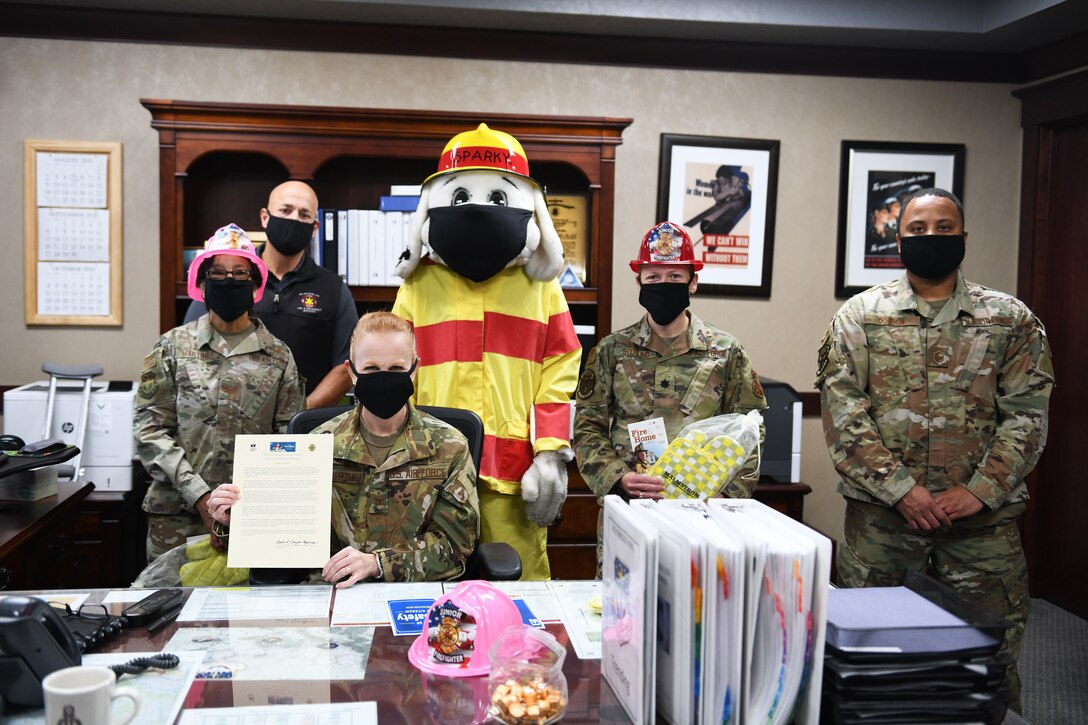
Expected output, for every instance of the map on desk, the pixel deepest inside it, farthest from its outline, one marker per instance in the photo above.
(277, 653)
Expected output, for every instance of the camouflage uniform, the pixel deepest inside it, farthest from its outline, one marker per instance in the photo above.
(195, 395)
(632, 376)
(955, 396)
(418, 512)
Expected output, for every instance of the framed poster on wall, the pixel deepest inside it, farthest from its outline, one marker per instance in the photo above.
(723, 191)
(875, 178)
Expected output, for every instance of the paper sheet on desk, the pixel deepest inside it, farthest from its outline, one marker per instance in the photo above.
(367, 604)
(126, 596)
(234, 604)
(72, 599)
(537, 595)
(342, 713)
(583, 625)
(162, 692)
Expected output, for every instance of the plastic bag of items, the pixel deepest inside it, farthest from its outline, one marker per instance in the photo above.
(193, 564)
(708, 454)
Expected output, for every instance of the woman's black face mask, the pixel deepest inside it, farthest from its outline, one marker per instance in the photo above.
(229, 298)
(385, 392)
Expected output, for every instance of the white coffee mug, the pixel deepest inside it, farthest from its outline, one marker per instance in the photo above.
(84, 696)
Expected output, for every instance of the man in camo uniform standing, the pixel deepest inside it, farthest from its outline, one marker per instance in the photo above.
(934, 394)
(669, 364)
(204, 383)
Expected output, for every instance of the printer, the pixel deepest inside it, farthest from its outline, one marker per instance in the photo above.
(108, 445)
(781, 457)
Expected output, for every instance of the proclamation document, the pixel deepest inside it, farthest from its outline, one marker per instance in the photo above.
(283, 517)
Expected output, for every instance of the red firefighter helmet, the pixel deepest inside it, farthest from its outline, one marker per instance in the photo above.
(666, 243)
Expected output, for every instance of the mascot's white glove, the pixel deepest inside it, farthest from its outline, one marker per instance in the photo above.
(544, 486)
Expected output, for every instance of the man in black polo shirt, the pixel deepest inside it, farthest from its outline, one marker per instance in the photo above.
(307, 306)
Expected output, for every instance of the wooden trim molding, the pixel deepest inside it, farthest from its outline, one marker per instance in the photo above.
(41, 21)
(810, 403)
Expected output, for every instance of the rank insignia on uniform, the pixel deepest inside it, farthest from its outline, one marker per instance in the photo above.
(824, 357)
(587, 383)
(757, 388)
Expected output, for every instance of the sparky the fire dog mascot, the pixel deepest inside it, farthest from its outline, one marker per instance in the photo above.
(493, 330)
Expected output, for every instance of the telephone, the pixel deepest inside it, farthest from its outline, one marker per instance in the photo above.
(34, 642)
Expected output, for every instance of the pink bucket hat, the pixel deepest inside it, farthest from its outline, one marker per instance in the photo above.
(227, 240)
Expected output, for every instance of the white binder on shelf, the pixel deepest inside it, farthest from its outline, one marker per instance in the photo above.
(394, 233)
(342, 244)
(375, 248)
(357, 235)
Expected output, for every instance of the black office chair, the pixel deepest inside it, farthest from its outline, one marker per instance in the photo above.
(494, 561)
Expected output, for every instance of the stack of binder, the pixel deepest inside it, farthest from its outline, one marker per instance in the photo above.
(713, 612)
(912, 654)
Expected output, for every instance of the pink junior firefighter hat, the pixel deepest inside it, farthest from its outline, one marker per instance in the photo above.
(227, 240)
(460, 629)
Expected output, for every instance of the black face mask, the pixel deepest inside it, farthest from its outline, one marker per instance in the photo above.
(288, 236)
(665, 301)
(385, 392)
(229, 298)
(478, 240)
(932, 256)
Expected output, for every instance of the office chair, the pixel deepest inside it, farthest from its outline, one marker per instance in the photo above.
(494, 561)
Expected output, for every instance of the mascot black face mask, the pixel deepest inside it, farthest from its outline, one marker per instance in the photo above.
(385, 392)
(288, 236)
(478, 240)
(665, 301)
(228, 298)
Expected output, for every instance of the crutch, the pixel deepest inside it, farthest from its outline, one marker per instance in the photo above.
(70, 372)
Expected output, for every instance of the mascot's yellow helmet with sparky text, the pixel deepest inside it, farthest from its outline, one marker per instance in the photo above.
(483, 149)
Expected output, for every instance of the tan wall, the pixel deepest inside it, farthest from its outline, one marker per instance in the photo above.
(90, 91)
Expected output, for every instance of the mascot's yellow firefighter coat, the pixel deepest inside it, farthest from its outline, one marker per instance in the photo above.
(506, 349)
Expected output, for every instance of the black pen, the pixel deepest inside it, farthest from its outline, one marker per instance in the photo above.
(164, 620)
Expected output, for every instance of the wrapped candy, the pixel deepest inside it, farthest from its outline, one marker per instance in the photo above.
(527, 683)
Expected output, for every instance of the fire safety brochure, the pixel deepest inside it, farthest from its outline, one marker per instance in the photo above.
(282, 518)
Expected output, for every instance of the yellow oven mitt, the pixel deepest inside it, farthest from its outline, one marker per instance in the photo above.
(698, 466)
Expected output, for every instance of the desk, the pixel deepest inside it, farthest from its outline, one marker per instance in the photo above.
(402, 694)
(36, 539)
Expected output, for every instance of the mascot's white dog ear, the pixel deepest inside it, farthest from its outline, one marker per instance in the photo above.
(546, 262)
(409, 258)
